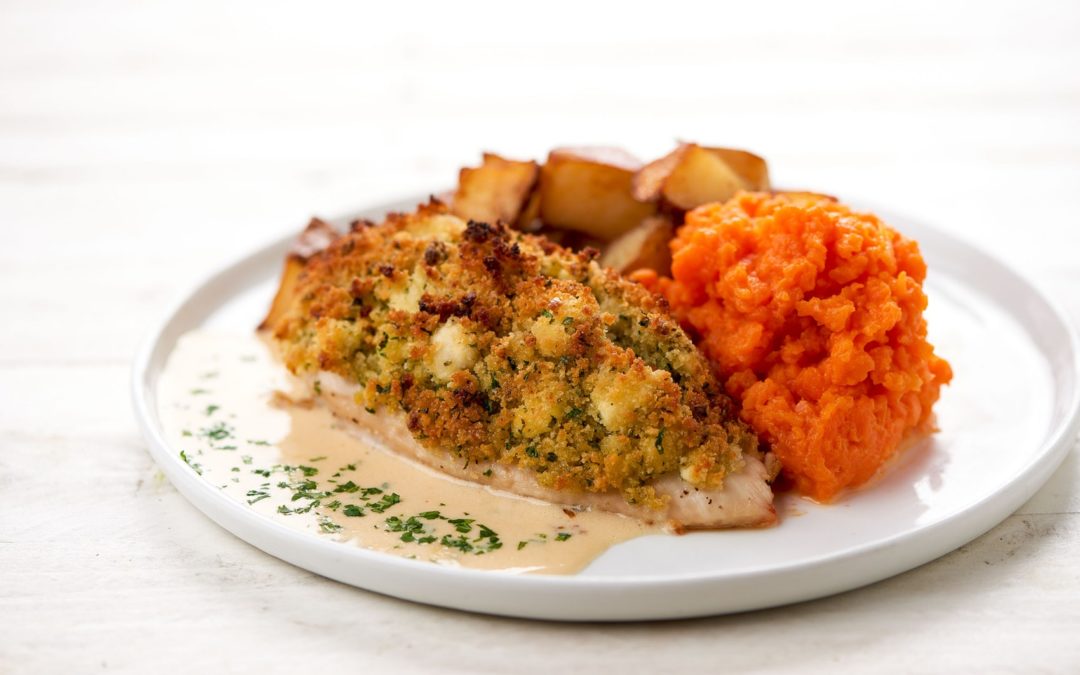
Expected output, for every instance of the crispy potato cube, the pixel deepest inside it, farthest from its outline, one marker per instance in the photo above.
(647, 245)
(588, 190)
(529, 218)
(648, 183)
(754, 170)
(700, 177)
(283, 298)
(497, 191)
(693, 175)
(315, 237)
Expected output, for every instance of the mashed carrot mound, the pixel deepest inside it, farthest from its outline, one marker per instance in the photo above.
(813, 313)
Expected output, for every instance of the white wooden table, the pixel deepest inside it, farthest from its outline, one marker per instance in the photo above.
(143, 144)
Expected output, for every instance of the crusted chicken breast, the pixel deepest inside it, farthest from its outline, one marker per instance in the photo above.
(501, 358)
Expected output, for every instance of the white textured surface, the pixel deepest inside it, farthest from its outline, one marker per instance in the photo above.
(144, 144)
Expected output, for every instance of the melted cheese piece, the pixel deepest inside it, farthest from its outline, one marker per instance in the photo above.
(221, 403)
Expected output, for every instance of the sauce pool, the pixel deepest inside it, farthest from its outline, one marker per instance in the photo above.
(227, 406)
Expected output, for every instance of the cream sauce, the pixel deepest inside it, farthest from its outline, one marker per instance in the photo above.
(234, 413)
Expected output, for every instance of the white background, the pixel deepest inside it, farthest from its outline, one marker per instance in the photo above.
(143, 144)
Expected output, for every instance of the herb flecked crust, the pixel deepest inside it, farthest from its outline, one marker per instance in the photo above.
(501, 346)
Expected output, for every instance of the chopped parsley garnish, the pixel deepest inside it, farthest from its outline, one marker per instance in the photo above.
(348, 487)
(194, 465)
(218, 432)
(414, 530)
(563, 536)
(211, 409)
(259, 494)
(385, 502)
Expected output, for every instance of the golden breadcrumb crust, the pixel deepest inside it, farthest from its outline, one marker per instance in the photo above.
(501, 346)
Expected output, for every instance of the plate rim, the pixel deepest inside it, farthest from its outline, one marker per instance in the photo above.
(974, 519)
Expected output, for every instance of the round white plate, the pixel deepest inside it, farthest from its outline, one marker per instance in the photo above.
(1007, 421)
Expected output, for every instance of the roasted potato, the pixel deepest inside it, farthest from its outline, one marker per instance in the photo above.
(644, 246)
(315, 237)
(753, 170)
(529, 218)
(499, 190)
(589, 190)
(693, 175)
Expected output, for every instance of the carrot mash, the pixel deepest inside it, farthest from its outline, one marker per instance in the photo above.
(813, 314)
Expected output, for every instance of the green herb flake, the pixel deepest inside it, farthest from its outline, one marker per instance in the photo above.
(327, 525)
(385, 502)
(348, 487)
(194, 465)
(218, 432)
(563, 536)
(258, 495)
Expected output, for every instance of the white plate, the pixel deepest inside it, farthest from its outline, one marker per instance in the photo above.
(1007, 421)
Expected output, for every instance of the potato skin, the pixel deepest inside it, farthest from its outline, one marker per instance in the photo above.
(693, 175)
(500, 190)
(644, 247)
(589, 190)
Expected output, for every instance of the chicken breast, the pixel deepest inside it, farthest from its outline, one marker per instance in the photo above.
(501, 358)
